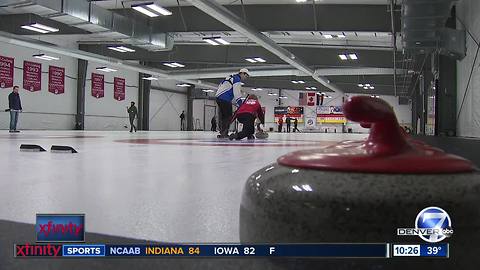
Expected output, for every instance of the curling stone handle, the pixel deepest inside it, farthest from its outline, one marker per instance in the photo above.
(386, 136)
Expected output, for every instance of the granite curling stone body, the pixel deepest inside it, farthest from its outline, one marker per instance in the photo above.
(362, 191)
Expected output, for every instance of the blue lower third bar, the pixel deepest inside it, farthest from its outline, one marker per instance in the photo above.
(434, 250)
(237, 250)
(83, 250)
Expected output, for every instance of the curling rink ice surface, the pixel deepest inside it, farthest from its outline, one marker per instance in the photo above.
(159, 186)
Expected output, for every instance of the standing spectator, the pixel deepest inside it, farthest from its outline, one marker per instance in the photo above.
(15, 107)
(280, 124)
(295, 125)
(214, 124)
(289, 122)
(228, 93)
(182, 120)
(132, 113)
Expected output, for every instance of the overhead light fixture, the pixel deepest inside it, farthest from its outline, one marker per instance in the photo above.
(183, 85)
(350, 56)
(283, 97)
(216, 41)
(298, 82)
(40, 28)
(374, 96)
(106, 69)
(151, 9)
(272, 94)
(311, 88)
(257, 89)
(372, 87)
(151, 78)
(367, 85)
(207, 90)
(121, 49)
(45, 57)
(256, 60)
(360, 85)
(330, 36)
(173, 65)
(301, 1)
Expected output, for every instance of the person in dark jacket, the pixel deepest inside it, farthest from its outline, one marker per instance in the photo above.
(295, 125)
(182, 121)
(289, 122)
(214, 124)
(132, 113)
(246, 114)
(15, 107)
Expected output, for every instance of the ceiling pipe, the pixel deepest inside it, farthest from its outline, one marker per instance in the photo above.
(283, 70)
(231, 20)
(100, 59)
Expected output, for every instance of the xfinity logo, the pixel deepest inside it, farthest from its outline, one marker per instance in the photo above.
(433, 224)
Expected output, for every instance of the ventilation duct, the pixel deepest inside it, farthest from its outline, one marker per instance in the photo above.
(423, 28)
(104, 24)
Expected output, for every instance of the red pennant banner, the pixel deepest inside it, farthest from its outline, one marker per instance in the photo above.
(98, 85)
(6, 71)
(32, 76)
(56, 80)
(119, 89)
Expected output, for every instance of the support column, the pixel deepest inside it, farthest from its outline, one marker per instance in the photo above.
(143, 102)
(81, 79)
(190, 98)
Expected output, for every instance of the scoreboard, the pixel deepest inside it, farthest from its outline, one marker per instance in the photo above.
(374, 250)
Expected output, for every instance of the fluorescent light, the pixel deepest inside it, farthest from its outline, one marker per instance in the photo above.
(250, 60)
(283, 97)
(44, 27)
(125, 49)
(145, 11)
(295, 82)
(222, 41)
(353, 56)
(313, 88)
(28, 27)
(341, 36)
(366, 88)
(301, 1)
(367, 85)
(360, 85)
(151, 78)
(301, 82)
(371, 87)
(105, 69)
(216, 41)
(160, 10)
(211, 41)
(257, 89)
(207, 90)
(183, 85)
(175, 64)
(261, 60)
(272, 94)
(328, 36)
(343, 57)
(45, 57)
(116, 49)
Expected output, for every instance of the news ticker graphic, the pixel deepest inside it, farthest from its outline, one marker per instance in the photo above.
(383, 250)
(60, 228)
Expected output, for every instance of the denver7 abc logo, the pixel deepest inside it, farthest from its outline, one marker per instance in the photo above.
(433, 224)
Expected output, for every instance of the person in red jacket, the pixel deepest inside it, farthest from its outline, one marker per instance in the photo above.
(246, 114)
